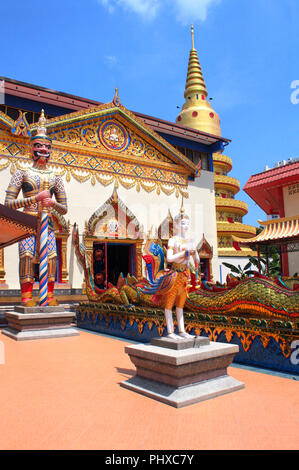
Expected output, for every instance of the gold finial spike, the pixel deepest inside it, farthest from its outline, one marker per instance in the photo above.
(114, 194)
(41, 130)
(195, 83)
(192, 36)
(116, 99)
(42, 120)
(182, 210)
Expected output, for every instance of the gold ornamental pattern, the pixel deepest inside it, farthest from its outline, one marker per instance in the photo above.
(97, 167)
(109, 135)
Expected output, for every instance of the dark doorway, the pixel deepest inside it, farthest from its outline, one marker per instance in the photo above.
(204, 269)
(110, 260)
(118, 257)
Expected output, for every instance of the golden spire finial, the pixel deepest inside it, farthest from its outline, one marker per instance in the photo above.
(192, 36)
(197, 112)
(41, 131)
(195, 82)
(116, 99)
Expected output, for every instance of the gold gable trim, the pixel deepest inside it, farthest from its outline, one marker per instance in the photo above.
(123, 114)
(6, 120)
(15, 154)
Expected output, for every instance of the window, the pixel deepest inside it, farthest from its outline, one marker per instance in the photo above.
(195, 156)
(13, 113)
(205, 161)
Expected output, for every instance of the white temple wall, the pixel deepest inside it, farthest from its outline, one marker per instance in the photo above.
(84, 199)
(291, 200)
(202, 205)
(149, 208)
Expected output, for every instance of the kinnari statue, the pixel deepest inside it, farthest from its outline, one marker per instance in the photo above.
(179, 249)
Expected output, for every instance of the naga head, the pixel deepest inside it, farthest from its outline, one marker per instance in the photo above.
(41, 143)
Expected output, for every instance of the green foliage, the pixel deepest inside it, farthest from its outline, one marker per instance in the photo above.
(247, 270)
(238, 271)
(273, 264)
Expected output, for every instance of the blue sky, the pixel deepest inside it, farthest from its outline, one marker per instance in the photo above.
(248, 50)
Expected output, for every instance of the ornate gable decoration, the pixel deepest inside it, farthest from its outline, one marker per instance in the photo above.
(165, 230)
(106, 144)
(5, 121)
(114, 220)
(205, 250)
(110, 135)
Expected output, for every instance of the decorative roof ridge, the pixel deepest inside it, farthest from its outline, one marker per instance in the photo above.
(271, 233)
(268, 173)
(99, 213)
(76, 115)
(279, 220)
(6, 119)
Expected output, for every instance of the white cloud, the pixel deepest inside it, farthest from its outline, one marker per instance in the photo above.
(186, 11)
(107, 4)
(111, 60)
(146, 8)
(193, 10)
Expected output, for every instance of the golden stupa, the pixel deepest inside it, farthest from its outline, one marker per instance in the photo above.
(198, 113)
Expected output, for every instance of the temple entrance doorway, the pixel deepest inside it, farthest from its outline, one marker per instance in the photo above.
(205, 269)
(110, 259)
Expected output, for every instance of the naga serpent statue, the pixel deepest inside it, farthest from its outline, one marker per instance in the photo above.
(253, 296)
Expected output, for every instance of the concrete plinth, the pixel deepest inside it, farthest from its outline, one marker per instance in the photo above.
(27, 323)
(3, 321)
(182, 372)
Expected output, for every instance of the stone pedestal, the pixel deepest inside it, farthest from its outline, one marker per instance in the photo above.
(182, 372)
(27, 323)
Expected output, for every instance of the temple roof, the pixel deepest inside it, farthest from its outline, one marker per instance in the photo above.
(115, 107)
(68, 102)
(264, 188)
(284, 229)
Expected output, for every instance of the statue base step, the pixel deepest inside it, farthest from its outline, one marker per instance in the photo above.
(182, 374)
(3, 321)
(27, 323)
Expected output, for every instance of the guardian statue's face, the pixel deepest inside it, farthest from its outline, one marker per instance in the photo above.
(41, 151)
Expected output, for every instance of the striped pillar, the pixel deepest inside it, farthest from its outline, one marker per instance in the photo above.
(43, 256)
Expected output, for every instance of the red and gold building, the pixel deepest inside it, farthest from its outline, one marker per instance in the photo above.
(276, 191)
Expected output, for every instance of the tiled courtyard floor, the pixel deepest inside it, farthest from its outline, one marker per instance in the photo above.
(65, 394)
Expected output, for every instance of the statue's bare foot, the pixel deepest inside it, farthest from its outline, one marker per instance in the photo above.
(29, 303)
(173, 336)
(184, 334)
